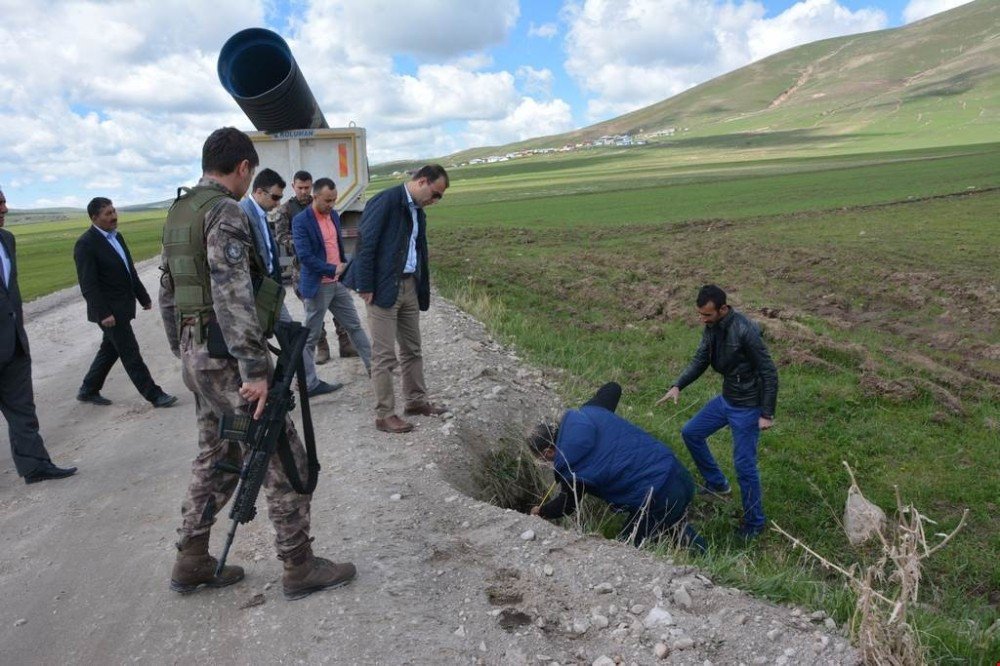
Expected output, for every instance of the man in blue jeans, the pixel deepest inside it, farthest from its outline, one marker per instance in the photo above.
(595, 451)
(732, 345)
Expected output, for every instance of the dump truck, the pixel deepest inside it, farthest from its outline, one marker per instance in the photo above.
(257, 68)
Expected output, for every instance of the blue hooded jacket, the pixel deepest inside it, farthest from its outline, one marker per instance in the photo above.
(616, 460)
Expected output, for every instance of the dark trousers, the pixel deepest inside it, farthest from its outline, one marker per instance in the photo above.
(119, 342)
(666, 513)
(17, 402)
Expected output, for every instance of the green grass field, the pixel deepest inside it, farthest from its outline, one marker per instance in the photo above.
(45, 249)
(875, 277)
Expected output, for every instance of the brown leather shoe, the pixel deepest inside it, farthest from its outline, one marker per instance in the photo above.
(394, 424)
(425, 409)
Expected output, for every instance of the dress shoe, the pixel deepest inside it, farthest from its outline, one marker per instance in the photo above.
(93, 397)
(164, 400)
(393, 424)
(48, 471)
(323, 388)
(425, 409)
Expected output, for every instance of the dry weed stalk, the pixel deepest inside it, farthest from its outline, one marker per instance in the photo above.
(889, 587)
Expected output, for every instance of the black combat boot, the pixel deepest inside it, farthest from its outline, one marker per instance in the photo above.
(305, 573)
(195, 567)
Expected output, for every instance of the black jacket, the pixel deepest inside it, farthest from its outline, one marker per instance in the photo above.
(734, 349)
(107, 286)
(380, 256)
(11, 316)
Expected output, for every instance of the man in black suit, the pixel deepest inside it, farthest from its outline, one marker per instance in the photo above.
(111, 287)
(17, 401)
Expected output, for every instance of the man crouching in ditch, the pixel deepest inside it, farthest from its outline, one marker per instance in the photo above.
(593, 450)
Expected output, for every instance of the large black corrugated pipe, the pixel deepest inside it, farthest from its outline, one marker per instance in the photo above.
(256, 67)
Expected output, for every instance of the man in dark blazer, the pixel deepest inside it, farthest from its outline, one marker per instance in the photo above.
(111, 287)
(17, 401)
(390, 272)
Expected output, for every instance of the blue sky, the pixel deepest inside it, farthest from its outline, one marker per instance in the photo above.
(115, 98)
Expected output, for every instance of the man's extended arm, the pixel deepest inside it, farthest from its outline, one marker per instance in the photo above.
(699, 363)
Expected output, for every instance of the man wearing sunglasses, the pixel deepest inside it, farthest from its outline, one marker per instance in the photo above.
(390, 272)
(268, 188)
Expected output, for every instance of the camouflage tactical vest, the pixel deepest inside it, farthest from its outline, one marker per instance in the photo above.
(187, 257)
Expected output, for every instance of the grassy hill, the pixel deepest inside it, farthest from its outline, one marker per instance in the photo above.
(930, 83)
(933, 82)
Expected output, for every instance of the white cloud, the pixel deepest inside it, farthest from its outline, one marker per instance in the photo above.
(438, 28)
(809, 21)
(921, 9)
(630, 53)
(545, 30)
(529, 119)
(115, 98)
(537, 81)
(345, 50)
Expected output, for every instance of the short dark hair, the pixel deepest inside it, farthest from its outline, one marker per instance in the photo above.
(96, 205)
(542, 437)
(267, 179)
(322, 184)
(711, 294)
(432, 172)
(224, 149)
(302, 175)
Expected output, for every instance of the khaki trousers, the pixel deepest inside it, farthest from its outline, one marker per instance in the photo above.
(388, 326)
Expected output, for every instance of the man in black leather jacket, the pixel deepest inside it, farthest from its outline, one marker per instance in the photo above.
(732, 345)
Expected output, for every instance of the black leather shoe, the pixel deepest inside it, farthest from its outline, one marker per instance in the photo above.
(164, 400)
(94, 398)
(323, 388)
(49, 471)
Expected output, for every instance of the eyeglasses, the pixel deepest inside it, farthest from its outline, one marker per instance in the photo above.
(436, 195)
(275, 197)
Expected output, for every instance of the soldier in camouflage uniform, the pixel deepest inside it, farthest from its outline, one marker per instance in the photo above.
(226, 385)
(302, 186)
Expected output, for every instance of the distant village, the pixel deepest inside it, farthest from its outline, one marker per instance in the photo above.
(617, 140)
(612, 140)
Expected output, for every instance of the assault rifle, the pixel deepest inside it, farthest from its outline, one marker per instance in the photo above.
(267, 435)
